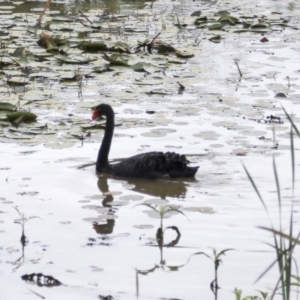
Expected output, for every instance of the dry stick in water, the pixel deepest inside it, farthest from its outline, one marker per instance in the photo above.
(241, 74)
(85, 17)
(155, 38)
(39, 21)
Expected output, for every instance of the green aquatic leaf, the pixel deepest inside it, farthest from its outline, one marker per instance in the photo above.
(223, 13)
(21, 116)
(200, 20)
(215, 39)
(7, 106)
(93, 46)
(216, 26)
(77, 60)
(19, 52)
(183, 54)
(196, 13)
(120, 47)
(165, 48)
(259, 26)
(228, 20)
(18, 80)
(102, 69)
(145, 67)
(116, 59)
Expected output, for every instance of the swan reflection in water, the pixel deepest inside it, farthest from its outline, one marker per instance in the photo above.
(161, 188)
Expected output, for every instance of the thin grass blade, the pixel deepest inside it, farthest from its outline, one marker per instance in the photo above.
(284, 235)
(291, 121)
(277, 186)
(266, 271)
(223, 252)
(176, 210)
(288, 272)
(292, 157)
(202, 253)
(256, 189)
(148, 205)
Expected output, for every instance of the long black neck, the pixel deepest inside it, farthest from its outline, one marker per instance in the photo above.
(102, 160)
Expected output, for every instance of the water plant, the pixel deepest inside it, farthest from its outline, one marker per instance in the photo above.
(238, 295)
(162, 211)
(22, 221)
(284, 244)
(216, 258)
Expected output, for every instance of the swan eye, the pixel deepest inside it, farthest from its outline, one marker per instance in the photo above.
(95, 114)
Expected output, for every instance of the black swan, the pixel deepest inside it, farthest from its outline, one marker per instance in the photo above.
(146, 165)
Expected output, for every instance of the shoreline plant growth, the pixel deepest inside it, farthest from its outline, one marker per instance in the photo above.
(284, 244)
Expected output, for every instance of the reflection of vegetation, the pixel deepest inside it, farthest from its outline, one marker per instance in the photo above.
(24, 241)
(162, 212)
(216, 258)
(22, 222)
(284, 250)
(161, 266)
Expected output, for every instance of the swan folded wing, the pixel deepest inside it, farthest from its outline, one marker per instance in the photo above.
(155, 165)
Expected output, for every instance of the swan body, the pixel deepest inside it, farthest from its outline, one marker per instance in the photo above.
(146, 165)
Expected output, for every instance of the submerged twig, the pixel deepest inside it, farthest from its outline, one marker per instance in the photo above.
(288, 79)
(85, 17)
(38, 23)
(241, 74)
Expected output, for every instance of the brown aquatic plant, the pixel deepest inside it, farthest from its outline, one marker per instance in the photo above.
(39, 21)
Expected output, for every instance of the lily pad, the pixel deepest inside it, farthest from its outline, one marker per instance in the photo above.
(145, 67)
(116, 59)
(216, 26)
(21, 116)
(7, 106)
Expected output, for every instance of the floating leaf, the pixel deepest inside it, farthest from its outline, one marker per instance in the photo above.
(196, 13)
(200, 20)
(18, 80)
(19, 52)
(145, 67)
(93, 46)
(259, 26)
(280, 95)
(182, 54)
(215, 39)
(102, 69)
(223, 13)
(7, 106)
(24, 116)
(77, 60)
(165, 48)
(216, 26)
(116, 59)
(228, 20)
(120, 47)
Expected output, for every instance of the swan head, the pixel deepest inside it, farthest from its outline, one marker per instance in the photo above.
(101, 110)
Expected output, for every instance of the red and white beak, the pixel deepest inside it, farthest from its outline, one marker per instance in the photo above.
(95, 114)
